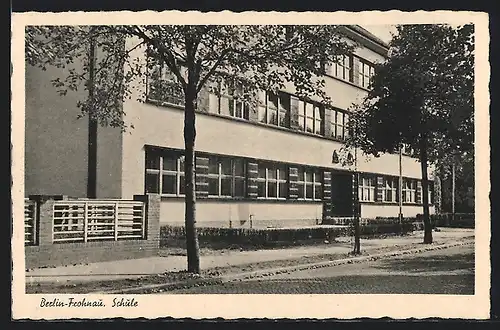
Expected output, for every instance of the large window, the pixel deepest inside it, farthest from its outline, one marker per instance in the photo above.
(226, 177)
(338, 124)
(230, 101)
(272, 181)
(274, 109)
(163, 86)
(165, 174)
(309, 184)
(341, 69)
(366, 72)
(390, 190)
(367, 189)
(409, 191)
(311, 117)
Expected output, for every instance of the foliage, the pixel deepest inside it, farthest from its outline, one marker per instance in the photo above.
(426, 87)
(262, 57)
(421, 98)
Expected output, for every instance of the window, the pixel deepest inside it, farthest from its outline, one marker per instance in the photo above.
(341, 69)
(165, 174)
(366, 72)
(163, 86)
(274, 109)
(390, 190)
(366, 189)
(230, 102)
(309, 184)
(338, 124)
(311, 117)
(272, 181)
(409, 191)
(226, 177)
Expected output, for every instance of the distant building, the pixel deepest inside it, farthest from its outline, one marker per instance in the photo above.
(277, 164)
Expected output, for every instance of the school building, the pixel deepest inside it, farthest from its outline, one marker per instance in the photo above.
(277, 165)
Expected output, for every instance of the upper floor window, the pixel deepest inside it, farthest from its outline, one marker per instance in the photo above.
(309, 184)
(409, 191)
(311, 117)
(366, 72)
(226, 177)
(341, 69)
(272, 181)
(366, 189)
(165, 174)
(163, 86)
(230, 102)
(338, 124)
(274, 109)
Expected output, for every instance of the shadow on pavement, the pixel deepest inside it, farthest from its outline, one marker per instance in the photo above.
(433, 263)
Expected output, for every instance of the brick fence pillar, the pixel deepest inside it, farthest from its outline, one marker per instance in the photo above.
(152, 214)
(45, 217)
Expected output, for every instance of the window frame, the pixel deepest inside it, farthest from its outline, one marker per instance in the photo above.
(266, 180)
(160, 73)
(233, 177)
(178, 173)
(303, 117)
(409, 191)
(334, 125)
(343, 70)
(227, 93)
(264, 103)
(390, 184)
(303, 183)
(365, 78)
(370, 188)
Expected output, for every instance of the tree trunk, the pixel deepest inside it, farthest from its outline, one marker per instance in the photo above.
(92, 127)
(453, 189)
(192, 245)
(425, 190)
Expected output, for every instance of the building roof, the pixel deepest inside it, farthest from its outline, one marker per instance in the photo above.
(369, 35)
(367, 39)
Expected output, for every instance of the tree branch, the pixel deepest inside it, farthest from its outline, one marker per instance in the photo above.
(213, 69)
(165, 53)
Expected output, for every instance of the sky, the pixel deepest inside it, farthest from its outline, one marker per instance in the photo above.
(381, 31)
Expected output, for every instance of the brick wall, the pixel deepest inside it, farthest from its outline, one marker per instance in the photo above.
(47, 254)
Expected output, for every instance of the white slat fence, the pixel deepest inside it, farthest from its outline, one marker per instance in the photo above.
(92, 220)
(30, 219)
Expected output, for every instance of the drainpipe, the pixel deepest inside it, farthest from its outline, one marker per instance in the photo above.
(92, 135)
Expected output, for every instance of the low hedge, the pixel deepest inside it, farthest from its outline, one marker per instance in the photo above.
(461, 220)
(269, 237)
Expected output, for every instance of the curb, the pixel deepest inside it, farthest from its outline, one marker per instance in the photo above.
(351, 260)
(282, 270)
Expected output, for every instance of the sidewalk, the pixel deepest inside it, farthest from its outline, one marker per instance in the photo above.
(137, 268)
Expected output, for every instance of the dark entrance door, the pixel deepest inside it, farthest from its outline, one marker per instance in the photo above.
(341, 194)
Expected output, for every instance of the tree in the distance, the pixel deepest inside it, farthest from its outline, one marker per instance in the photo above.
(421, 97)
(254, 57)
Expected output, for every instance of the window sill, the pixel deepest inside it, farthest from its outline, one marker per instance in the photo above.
(164, 104)
(393, 203)
(347, 82)
(242, 200)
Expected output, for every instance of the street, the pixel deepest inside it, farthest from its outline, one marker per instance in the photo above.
(446, 271)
